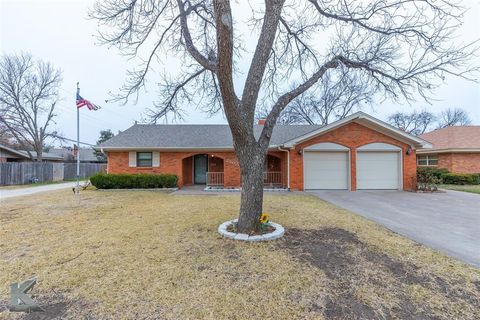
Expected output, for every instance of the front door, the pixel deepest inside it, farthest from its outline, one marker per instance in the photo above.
(200, 168)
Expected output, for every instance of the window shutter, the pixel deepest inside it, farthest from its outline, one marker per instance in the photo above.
(155, 159)
(132, 159)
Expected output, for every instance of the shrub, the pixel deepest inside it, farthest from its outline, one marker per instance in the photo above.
(439, 173)
(461, 178)
(134, 181)
(428, 179)
(476, 177)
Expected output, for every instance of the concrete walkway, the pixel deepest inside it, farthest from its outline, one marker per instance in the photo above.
(200, 190)
(9, 193)
(449, 221)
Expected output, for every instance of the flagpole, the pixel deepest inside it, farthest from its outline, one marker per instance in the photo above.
(77, 189)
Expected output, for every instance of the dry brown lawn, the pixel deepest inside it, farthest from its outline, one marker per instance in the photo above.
(152, 255)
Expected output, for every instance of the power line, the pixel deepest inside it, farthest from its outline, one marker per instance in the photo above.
(71, 140)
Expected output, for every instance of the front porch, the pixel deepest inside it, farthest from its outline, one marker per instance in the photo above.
(210, 170)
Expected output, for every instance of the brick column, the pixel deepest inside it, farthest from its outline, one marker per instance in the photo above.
(353, 169)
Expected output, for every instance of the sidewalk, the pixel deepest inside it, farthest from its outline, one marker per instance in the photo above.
(4, 194)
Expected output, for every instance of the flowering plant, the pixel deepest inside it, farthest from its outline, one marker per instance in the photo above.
(263, 220)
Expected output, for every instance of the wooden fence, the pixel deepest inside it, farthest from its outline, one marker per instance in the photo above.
(86, 170)
(28, 172)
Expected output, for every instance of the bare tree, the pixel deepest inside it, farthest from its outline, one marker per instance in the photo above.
(398, 47)
(104, 136)
(415, 123)
(330, 100)
(453, 117)
(28, 95)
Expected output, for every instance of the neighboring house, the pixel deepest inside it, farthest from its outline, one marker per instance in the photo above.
(358, 152)
(8, 154)
(455, 148)
(87, 155)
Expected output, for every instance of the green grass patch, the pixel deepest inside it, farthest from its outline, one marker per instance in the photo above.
(464, 188)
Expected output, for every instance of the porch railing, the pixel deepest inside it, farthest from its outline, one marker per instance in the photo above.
(214, 178)
(272, 178)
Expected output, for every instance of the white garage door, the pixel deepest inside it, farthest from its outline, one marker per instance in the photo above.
(378, 170)
(326, 170)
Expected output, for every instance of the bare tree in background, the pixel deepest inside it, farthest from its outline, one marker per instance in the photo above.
(104, 136)
(28, 96)
(453, 117)
(330, 100)
(415, 123)
(400, 48)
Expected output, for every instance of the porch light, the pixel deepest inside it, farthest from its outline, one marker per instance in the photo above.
(409, 150)
(300, 151)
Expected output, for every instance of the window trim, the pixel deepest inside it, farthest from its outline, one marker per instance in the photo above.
(139, 160)
(428, 158)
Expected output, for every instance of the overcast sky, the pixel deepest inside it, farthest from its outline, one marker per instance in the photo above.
(58, 31)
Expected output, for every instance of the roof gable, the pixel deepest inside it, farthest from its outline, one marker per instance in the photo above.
(367, 121)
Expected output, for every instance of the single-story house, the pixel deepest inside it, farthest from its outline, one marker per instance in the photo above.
(357, 152)
(87, 155)
(455, 148)
(8, 154)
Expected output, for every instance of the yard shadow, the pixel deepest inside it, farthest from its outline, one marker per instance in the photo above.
(350, 265)
(55, 306)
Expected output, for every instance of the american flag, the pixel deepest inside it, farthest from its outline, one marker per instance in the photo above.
(84, 102)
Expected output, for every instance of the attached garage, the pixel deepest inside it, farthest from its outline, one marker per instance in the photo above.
(357, 152)
(379, 167)
(326, 166)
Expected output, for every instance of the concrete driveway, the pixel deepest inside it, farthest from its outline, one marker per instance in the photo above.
(449, 222)
(9, 193)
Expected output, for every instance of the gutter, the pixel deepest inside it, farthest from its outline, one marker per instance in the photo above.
(449, 150)
(288, 165)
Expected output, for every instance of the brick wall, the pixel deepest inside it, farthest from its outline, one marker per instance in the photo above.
(352, 136)
(460, 162)
(171, 162)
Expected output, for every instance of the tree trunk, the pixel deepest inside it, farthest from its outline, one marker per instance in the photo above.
(39, 152)
(251, 202)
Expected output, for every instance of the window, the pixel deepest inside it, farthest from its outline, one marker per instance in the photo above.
(144, 159)
(427, 160)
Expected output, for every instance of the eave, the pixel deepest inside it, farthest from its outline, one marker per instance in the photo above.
(449, 150)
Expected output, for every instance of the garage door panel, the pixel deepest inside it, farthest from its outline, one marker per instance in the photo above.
(326, 170)
(378, 170)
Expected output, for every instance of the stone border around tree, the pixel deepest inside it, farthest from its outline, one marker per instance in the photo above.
(279, 231)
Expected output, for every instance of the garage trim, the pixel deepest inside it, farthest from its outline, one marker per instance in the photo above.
(330, 147)
(384, 147)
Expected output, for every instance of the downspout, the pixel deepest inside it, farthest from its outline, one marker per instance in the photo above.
(101, 150)
(288, 165)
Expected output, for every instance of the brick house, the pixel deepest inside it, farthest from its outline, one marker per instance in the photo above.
(358, 152)
(455, 148)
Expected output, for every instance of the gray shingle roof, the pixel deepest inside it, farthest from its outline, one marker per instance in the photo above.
(24, 154)
(86, 154)
(195, 136)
